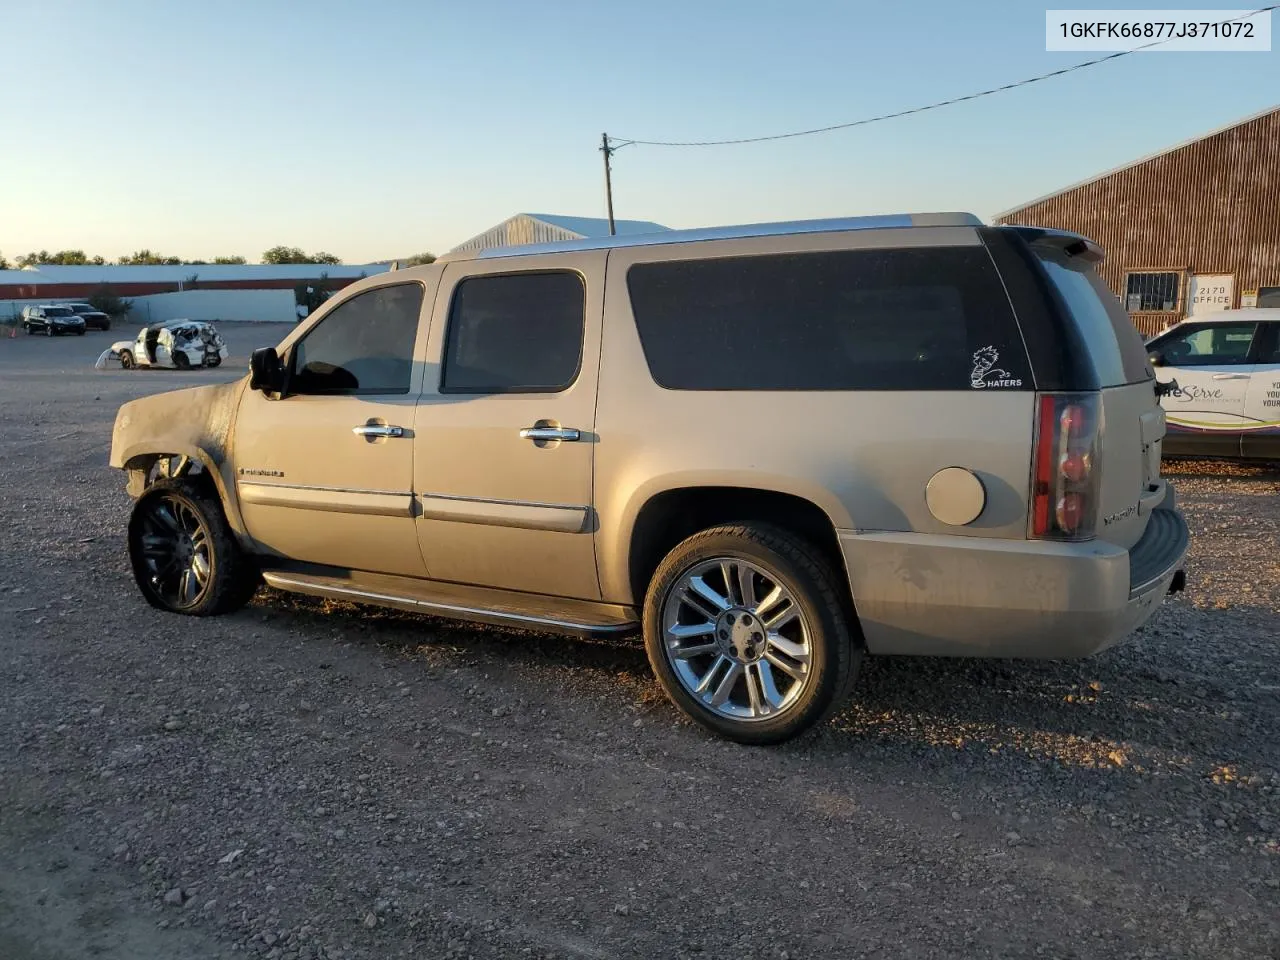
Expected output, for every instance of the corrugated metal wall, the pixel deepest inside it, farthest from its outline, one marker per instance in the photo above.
(518, 230)
(1209, 207)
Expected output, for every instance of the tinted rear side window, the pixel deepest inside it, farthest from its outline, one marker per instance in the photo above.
(1118, 351)
(515, 333)
(913, 319)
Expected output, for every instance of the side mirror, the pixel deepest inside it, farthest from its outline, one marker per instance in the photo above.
(1155, 358)
(266, 372)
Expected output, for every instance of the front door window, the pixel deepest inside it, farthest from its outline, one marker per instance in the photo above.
(363, 348)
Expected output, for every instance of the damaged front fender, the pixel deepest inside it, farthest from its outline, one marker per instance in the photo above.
(194, 423)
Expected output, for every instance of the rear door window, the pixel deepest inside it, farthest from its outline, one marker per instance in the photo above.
(515, 333)
(909, 319)
(1115, 344)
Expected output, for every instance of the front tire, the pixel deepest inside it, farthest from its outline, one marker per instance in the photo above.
(184, 556)
(48, 330)
(180, 361)
(748, 632)
(126, 359)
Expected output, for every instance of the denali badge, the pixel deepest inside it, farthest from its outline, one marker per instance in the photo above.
(987, 374)
(1124, 514)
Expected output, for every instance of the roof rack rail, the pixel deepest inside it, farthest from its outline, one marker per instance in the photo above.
(833, 225)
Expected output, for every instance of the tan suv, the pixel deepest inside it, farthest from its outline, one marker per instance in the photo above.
(772, 448)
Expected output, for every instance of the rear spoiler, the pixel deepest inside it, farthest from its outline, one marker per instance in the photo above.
(1062, 241)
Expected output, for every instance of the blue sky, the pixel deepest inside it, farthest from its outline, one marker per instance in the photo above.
(380, 129)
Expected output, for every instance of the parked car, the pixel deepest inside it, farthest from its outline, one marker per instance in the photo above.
(1223, 375)
(93, 317)
(771, 449)
(178, 343)
(50, 320)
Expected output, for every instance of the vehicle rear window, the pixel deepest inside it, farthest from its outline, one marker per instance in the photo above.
(909, 319)
(1115, 345)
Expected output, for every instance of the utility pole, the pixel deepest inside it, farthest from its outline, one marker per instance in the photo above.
(608, 178)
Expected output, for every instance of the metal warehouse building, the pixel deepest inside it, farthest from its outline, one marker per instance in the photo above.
(1193, 228)
(551, 228)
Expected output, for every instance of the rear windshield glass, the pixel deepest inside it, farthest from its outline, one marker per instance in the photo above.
(912, 319)
(1115, 345)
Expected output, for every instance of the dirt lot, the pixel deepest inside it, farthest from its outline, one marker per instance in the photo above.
(311, 780)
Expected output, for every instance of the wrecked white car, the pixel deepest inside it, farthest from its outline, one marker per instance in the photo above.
(181, 344)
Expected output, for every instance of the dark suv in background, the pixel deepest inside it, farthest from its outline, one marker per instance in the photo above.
(94, 319)
(51, 319)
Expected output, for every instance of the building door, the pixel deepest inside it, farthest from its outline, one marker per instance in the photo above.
(1209, 293)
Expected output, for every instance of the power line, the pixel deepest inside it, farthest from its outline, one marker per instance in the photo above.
(617, 143)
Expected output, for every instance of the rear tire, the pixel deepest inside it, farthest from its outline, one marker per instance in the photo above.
(750, 634)
(184, 556)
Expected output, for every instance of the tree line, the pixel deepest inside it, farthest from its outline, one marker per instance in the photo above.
(147, 257)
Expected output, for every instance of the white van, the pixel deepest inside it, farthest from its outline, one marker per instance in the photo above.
(1227, 369)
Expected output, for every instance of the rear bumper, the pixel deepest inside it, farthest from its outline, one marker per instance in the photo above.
(927, 595)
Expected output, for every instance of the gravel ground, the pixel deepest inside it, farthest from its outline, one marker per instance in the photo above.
(306, 779)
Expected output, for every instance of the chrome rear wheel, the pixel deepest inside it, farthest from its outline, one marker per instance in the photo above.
(737, 639)
(749, 629)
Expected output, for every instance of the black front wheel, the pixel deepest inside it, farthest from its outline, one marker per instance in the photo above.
(180, 361)
(48, 330)
(185, 558)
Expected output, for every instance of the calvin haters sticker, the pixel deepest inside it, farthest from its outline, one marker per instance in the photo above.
(987, 374)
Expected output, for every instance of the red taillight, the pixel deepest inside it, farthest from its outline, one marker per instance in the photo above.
(1075, 467)
(1064, 486)
(1042, 489)
(1070, 512)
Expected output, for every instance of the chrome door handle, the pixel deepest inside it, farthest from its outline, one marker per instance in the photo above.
(550, 433)
(1231, 376)
(377, 430)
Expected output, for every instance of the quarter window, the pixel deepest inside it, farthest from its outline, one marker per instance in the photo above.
(514, 333)
(1220, 343)
(364, 346)
(1151, 292)
(1268, 343)
(911, 319)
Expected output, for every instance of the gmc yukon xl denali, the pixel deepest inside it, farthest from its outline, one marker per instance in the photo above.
(772, 449)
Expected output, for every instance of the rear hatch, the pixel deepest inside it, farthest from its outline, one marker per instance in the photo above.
(1133, 424)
